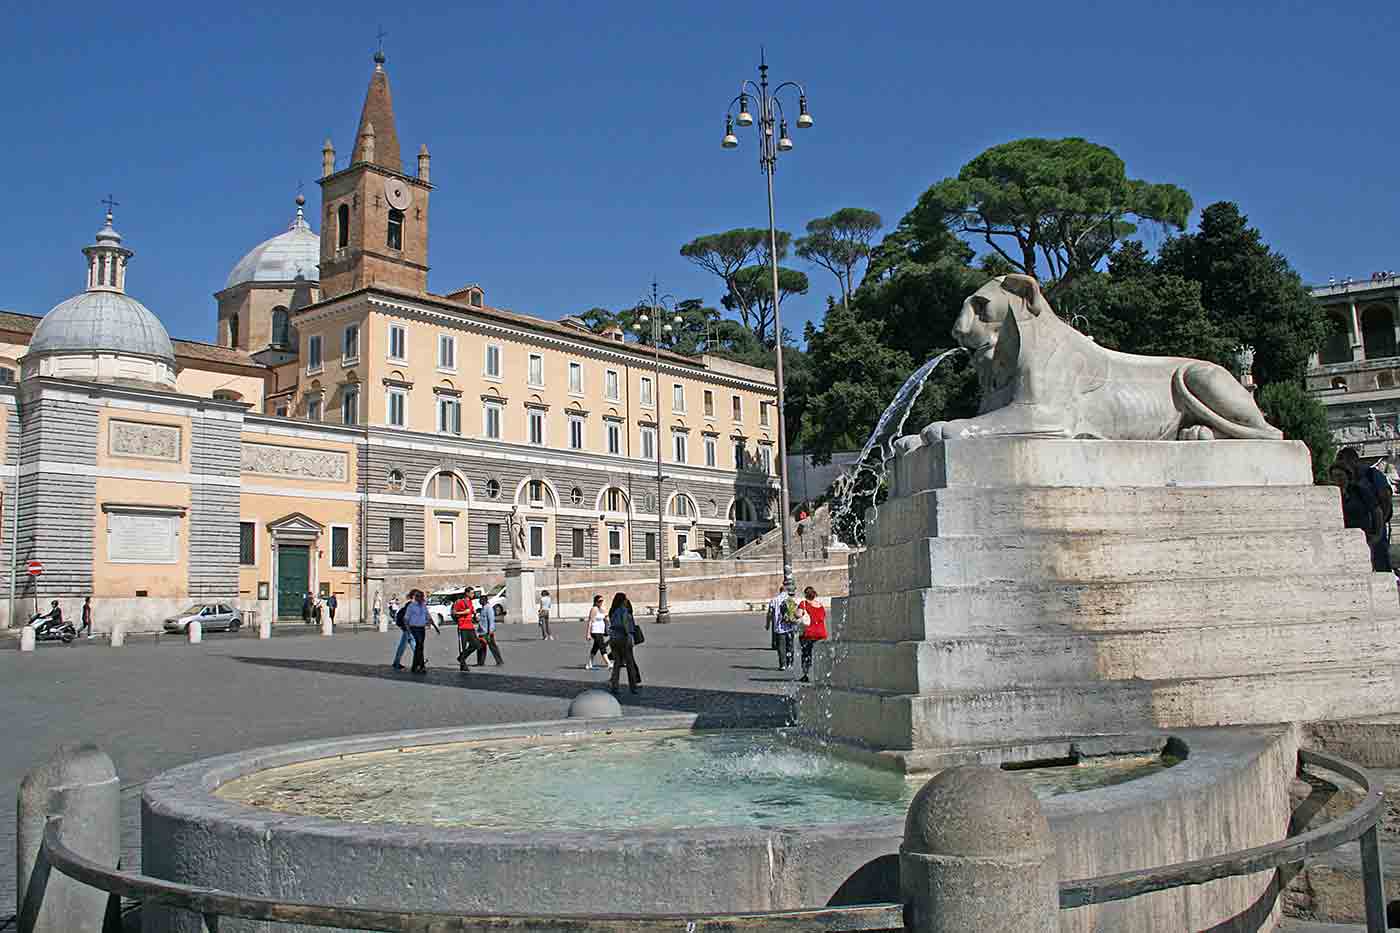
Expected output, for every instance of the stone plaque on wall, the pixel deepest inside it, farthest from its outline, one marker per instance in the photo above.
(295, 462)
(148, 441)
(142, 538)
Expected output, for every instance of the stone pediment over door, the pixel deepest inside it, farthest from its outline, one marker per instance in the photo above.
(295, 527)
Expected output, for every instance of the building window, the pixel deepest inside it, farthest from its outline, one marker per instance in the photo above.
(709, 404)
(615, 501)
(710, 455)
(281, 411)
(535, 490)
(447, 485)
(350, 405)
(682, 507)
(576, 378)
(610, 385)
(738, 409)
(765, 457)
(491, 420)
(763, 414)
(395, 481)
(739, 455)
(493, 489)
(340, 546)
(682, 543)
(397, 341)
(247, 543)
(536, 421)
(447, 352)
(233, 331)
(651, 545)
(447, 536)
(646, 393)
(679, 444)
(313, 408)
(576, 496)
(313, 353)
(614, 546)
(536, 540)
(648, 443)
(476, 298)
(395, 398)
(394, 239)
(396, 535)
(575, 433)
(536, 370)
(342, 225)
(281, 327)
(493, 540)
(351, 349)
(614, 438)
(449, 415)
(493, 362)
(577, 542)
(677, 397)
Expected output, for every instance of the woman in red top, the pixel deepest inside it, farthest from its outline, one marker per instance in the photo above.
(813, 613)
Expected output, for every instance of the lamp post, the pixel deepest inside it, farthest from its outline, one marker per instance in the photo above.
(658, 306)
(772, 139)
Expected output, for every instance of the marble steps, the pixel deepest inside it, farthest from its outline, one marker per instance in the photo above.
(1201, 650)
(1088, 557)
(1013, 715)
(964, 512)
(999, 608)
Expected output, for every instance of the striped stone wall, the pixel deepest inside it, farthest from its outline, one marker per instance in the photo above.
(57, 527)
(215, 461)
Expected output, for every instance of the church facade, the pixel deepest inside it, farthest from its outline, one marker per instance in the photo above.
(351, 429)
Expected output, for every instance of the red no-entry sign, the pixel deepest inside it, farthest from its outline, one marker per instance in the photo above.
(34, 568)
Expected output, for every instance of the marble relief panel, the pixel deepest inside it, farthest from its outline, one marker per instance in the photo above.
(295, 462)
(147, 441)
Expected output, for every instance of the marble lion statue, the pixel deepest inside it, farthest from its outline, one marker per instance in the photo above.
(1042, 378)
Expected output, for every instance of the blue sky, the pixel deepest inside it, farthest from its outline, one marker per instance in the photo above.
(576, 146)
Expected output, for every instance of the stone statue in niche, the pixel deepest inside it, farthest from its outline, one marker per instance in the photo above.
(1042, 378)
(515, 531)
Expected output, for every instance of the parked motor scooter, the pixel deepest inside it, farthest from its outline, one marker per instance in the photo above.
(46, 628)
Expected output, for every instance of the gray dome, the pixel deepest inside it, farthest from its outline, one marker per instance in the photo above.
(282, 258)
(102, 320)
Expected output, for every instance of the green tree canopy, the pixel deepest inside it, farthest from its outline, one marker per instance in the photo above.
(751, 296)
(1051, 208)
(1300, 417)
(726, 254)
(839, 243)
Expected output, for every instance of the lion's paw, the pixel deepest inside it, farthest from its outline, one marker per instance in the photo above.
(908, 444)
(932, 433)
(1197, 432)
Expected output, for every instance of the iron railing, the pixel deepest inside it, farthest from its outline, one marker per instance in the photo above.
(1357, 824)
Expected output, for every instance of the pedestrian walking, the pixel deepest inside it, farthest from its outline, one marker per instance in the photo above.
(306, 604)
(86, 627)
(1374, 481)
(331, 604)
(486, 632)
(597, 632)
(782, 621)
(811, 617)
(378, 608)
(398, 614)
(622, 639)
(317, 607)
(418, 618)
(546, 604)
(464, 614)
(1360, 508)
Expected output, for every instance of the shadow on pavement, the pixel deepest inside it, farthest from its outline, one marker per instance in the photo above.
(714, 707)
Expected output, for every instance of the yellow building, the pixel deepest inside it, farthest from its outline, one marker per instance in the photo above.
(353, 430)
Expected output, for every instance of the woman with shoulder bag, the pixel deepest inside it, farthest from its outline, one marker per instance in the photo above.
(622, 636)
(811, 616)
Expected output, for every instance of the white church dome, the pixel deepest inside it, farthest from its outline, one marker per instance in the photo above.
(284, 258)
(102, 320)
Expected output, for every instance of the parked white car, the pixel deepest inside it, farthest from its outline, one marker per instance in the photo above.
(440, 603)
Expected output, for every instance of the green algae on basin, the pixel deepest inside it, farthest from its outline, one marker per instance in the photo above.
(657, 780)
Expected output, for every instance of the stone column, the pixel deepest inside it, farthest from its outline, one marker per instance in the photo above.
(78, 785)
(520, 593)
(1358, 348)
(978, 857)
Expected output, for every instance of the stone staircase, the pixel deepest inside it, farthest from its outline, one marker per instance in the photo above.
(807, 540)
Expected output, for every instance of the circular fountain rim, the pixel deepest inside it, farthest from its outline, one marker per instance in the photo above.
(190, 791)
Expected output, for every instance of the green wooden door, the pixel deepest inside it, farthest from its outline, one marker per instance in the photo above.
(293, 579)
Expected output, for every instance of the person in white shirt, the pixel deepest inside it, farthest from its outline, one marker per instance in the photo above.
(545, 605)
(598, 633)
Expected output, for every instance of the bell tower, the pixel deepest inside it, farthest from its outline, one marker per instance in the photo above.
(374, 226)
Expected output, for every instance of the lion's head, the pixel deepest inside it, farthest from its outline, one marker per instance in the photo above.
(980, 323)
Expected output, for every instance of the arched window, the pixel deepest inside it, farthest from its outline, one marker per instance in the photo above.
(1337, 349)
(233, 331)
(227, 395)
(476, 298)
(614, 500)
(446, 485)
(281, 328)
(394, 237)
(342, 225)
(1339, 382)
(537, 492)
(1378, 332)
(741, 511)
(682, 507)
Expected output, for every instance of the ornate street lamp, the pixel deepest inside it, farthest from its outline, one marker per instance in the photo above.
(773, 138)
(660, 306)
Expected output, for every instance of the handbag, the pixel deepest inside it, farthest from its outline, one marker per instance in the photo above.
(637, 636)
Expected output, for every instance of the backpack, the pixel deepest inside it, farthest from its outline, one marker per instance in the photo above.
(399, 616)
(789, 611)
(1381, 487)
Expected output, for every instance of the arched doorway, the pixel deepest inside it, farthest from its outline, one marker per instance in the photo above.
(614, 526)
(1377, 331)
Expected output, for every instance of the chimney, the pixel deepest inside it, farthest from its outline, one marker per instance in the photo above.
(367, 143)
(423, 163)
(327, 159)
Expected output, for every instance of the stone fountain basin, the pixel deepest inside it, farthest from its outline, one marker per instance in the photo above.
(1230, 793)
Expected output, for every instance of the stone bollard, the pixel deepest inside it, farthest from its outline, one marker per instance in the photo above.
(383, 622)
(194, 632)
(978, 857)
(327, 628)
(264, 628)
(79, 786)
(26, 638)
(118, 637)
(595, 704)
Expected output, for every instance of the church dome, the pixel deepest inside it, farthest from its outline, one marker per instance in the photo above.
(284, 258)
(102, 320)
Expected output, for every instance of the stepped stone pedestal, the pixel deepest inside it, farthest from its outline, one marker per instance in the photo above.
(1017, 593)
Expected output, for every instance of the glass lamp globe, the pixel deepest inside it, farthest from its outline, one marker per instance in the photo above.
(730, 141)
(745, 118)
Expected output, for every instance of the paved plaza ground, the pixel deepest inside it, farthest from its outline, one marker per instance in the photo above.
(159, 702)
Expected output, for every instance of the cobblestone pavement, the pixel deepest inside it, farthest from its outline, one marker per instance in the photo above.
(158, 703)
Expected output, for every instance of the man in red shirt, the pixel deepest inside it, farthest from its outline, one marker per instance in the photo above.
(464, 612)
